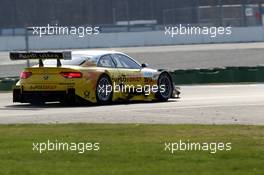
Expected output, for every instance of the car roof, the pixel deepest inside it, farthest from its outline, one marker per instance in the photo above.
(94, 53)
(89, 55)
(78, 57)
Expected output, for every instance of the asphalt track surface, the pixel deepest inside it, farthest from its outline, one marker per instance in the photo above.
(175, 57)
(215, 104)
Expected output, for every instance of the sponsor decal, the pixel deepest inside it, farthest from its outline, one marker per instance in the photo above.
(147, 74)
(128, 78)
(86, 94)
(33, 87)
(45, 77)
(149, 81)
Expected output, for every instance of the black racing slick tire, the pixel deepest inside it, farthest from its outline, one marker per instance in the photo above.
(165, 87)
(104, 90)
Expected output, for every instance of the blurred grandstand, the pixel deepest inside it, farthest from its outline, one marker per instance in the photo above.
(127, 15)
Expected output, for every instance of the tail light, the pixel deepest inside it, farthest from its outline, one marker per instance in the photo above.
(25, 75)
(71, 74)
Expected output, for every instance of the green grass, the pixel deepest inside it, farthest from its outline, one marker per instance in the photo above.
(131, 149)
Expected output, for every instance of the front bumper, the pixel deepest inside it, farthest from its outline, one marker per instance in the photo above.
(176, 92)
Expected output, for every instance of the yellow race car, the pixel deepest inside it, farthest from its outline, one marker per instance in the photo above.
(89, 76)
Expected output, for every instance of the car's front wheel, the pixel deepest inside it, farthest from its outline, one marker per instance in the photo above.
(104, 90)
(165, 87)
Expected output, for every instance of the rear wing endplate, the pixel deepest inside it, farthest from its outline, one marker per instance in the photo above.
(41, 56)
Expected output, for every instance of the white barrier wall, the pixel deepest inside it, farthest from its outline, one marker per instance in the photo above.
(241, 34)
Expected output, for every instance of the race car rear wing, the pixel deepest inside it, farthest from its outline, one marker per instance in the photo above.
(41, 56)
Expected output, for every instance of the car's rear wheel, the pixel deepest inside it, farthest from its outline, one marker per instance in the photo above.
(165, 87)
(104, 90)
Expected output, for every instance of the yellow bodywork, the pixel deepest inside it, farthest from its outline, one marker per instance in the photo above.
(49, 79)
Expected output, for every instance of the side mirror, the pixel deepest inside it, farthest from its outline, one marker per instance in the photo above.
(144, 65)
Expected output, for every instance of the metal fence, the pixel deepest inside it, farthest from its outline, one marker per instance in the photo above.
(226, 15)
(220, 15)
